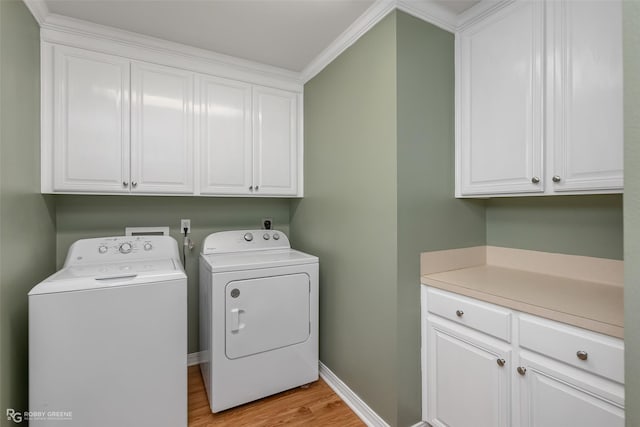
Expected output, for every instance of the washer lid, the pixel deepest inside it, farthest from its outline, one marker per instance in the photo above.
(252, 260)
(109, 275)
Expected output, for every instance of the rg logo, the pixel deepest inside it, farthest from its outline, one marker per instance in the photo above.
(14, 416)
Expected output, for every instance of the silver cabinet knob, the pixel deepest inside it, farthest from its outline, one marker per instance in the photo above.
(125, 184)
(582, 355)
(521, 370)
(257, 187)
(134, 184)
(251, 188)
(500, 362)
(535, 180)
(556, 178)
(459, 313)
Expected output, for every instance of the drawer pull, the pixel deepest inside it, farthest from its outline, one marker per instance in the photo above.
(459, 313)
(521, 370)
(582, 355)
(500, 362)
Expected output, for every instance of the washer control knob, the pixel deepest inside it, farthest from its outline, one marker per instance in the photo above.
(266, 236)
(148, 246)
(125, 248)
(248, 237)
(103, 249)
(276, 236)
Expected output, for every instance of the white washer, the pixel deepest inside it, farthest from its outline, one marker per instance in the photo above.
(108, 336)
(258, 316)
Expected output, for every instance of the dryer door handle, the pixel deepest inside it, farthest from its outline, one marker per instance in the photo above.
(235, 319)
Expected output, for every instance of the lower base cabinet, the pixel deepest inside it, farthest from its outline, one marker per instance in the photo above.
(471, 379)
(552, 394)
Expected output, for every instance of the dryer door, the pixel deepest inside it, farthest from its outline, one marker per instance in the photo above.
(266, 313)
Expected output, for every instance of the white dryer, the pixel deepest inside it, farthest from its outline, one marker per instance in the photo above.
(258, 316)
(108, 337)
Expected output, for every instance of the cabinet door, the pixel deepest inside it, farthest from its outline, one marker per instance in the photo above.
(161, 129)
(226, 164)
(91, 121)
(275, 122)
(467, 377)
(554, 394)
(587, 107)
(499, 102)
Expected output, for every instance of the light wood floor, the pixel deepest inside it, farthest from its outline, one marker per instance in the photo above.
(317, 405)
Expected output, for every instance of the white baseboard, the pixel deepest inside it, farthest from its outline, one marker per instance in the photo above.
(362, 410)
(421, 424)
(194, 358)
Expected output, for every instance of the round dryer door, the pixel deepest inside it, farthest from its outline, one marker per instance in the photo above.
(266, 313)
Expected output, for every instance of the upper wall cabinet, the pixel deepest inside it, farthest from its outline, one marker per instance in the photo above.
(113, 125)
(226, 157)
(161, 129)
(90, 120)
(248, 139)
(274, 133)
(539, 100)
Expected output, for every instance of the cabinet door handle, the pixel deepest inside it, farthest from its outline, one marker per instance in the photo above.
(535, 180)
(582, 355)
(257, 187)
(500, 362)
(125, 184)
(556, 178)
(521, 370)
(134, 184)
(251, 188)
(459, 313)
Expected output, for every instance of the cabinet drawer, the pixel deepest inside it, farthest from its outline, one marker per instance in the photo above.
(484, 317)
(593, 352)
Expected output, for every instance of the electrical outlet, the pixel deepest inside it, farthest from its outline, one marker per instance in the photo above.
(185, 223)
(267, 223)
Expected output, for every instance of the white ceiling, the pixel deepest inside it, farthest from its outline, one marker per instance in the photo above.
(283, 33)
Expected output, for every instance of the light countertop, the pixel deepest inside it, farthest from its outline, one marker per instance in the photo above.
(594, 302)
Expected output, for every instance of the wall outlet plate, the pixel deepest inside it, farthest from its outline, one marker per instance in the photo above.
(185, 223)
(267, 223)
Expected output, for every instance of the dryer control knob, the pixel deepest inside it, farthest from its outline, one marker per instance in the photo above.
(266, 236)
(148, 246)
(103, 249)
(248, 237)
(125, 248)
(276, 236)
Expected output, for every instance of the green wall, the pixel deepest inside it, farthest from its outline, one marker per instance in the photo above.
(348, 216)
(379, 147)
(81, 217)
(27, 229)
(632, 210)
(429, 217)
(577, 225)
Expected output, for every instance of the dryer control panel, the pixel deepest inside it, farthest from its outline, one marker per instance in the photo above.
(245, 240)
(120, 248)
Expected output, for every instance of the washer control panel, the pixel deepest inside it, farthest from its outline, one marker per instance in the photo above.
(119, 248)
(245, 240)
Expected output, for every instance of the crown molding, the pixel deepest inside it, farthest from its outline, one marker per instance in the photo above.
(430, 12)
(421, 9)
(479, 11)
(76, 27)
(38, 9)
(425, 10)
(374, 14)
